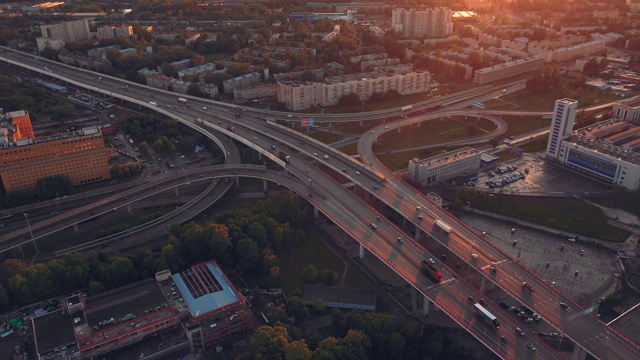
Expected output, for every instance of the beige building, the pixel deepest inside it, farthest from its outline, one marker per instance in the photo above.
(444, 167)
(430, 23)
(505, 70)
(568, 53)
(110, 32)
(299, 95)
(263, 91)
(68, 31)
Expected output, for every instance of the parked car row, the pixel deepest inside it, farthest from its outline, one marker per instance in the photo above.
(506, 180)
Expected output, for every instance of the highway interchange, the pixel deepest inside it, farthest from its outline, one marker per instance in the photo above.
(354, 215)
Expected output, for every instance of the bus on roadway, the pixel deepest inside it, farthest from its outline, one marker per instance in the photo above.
(477, 105)
(489, 317)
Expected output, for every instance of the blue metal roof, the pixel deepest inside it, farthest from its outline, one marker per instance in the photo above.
(208, 302)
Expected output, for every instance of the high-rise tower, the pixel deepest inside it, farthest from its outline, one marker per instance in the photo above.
(564, 117)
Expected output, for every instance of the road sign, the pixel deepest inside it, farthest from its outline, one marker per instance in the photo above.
(307, 122)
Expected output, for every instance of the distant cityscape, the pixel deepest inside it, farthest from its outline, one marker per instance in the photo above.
(373, 74)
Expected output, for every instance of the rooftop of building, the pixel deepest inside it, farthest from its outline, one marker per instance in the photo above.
(633, 102)
(205, 289)
(53, 331)
(344, 295)
(87, 131)
(448, 157)
(121, 310)
(613, 138)
(123, 301)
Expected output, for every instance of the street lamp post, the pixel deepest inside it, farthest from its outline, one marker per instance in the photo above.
(31, 233)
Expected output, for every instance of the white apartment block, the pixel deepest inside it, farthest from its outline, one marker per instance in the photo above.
(628, 110)
(259, 92)
(444, 167)
(568, 53)
(110, 32)
(52, 43)
(606, 14)
(196, 70)
(68, 31)
(298, 95)
(240, 82)
(505, 70)
(430, 23)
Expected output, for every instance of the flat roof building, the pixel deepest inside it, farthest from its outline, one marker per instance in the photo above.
(53, 336)
(608, 150)
(217, 309)
(80, 155)
(444, 167)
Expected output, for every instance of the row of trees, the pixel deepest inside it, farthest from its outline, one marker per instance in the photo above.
(245, 240)
(355, 336)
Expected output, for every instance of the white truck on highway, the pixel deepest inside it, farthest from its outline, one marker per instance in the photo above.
(153, 103)
(405, 108)
(182, 100)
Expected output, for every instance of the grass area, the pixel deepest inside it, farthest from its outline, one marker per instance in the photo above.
(627, 201)
(88, 229)
(535, 145)
(506, 155)
(528, 100)
(352, 127)
(523, 124)
(351, 149)
(572, 215)
(326, 137)
(312, 251)
(433, 132)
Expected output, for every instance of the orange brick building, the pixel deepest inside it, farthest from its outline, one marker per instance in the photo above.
(22, 121)
(80, 155)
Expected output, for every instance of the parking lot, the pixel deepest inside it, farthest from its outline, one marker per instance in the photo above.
(597, 268)
(539, 177)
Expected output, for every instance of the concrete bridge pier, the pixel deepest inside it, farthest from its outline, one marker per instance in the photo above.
(361, 252)
(236, 180)
(129, 209)
(176, 191)
(483, 283)
(75, 228)
(417, 235)
(578, 353)
(361, 123)
(414, 299)
(264, 186)
(425, 306)
(316, 213)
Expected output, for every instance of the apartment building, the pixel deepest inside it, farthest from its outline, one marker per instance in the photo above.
(299, 95)
(68, 31)
(110, 32)
(79, 155)
(508, 69)
(430, 23)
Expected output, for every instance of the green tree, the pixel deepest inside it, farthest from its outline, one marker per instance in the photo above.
(51, 187)
(270, 342)
(298, 309)
(328, 277)
(297, 350)
(248, 254)
(310, 273)
(95, 287)
(318, 306)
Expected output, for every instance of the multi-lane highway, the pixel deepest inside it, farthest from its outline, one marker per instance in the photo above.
(355, 217)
